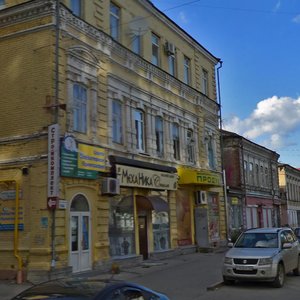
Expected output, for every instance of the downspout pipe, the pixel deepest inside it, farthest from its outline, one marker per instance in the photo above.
(222, 156)
(16, 234)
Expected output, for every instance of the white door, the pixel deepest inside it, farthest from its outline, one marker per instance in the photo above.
(80, 254)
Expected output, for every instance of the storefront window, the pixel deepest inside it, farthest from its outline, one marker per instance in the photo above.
(161, 235)
(121, 227)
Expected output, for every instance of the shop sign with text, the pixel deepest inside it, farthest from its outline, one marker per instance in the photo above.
(145, 178)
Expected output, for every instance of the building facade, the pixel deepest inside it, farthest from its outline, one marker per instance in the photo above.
(253, 197)
(109, 140)
(289, 183)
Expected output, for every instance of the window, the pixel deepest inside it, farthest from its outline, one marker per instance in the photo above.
(117, 130)
(204, 82)
(136, 44)
(139, 130)
(2, 2)
(175, 139)
(246, 170)
(251, 173)
(190, 146)
(211, 152)
(257, 174)
(114, 21)
(171, 62)
(159, 135)
(76, 7)
(186, 70)
(155, 49)
(262, 182)
(80, 108)
(161, 229)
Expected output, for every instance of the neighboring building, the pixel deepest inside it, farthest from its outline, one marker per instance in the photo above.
(100, 115)
(253, 197)
(289, 183)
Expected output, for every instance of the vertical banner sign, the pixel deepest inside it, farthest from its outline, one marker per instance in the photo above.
(53, 166)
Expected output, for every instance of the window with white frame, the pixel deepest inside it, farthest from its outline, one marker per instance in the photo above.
(204, 82)
(246, 171)
(176, 141)
(79, 108)
(139, 129)
(155, 49)
(76, 7)
(159, 135)
(251, 172)
(114, 21)
(136, 44)
(171, 63)
(117, 128)
(186, 70)
(190, 146)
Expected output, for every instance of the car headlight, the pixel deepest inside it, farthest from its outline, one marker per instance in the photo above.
(266, 261)
(228, 261)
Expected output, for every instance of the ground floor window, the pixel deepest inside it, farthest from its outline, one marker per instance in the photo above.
(121, 226)
(161, 230)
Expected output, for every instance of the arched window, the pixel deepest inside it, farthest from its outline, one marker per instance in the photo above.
(80, 203)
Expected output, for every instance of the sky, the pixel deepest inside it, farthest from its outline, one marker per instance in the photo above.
(258, 42)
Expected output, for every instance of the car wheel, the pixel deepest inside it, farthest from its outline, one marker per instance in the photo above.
(279, 279)
(296, 271)
(228, 281)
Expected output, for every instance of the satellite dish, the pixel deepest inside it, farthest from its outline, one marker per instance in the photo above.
(138, 26)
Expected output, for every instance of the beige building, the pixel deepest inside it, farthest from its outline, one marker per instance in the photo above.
(109, 140)
(289, 183)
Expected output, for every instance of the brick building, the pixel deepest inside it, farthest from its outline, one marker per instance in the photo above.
(105, 104)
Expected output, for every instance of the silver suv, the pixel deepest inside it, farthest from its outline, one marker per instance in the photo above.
(262, 254)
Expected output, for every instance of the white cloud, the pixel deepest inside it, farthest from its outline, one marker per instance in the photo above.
(183, 17)
(272, 124)
(296, 19)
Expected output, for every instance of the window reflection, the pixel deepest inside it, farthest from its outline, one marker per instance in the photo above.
(160, 221)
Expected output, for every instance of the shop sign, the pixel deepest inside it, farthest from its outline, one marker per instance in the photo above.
(80, 160)
(53, 160)
(145, 178)
(7, 216)
(234, 201)
(191, 176)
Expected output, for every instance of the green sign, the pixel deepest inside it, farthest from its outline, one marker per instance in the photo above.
(69, 165)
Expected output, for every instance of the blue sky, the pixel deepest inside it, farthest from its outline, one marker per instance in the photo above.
(259, 44)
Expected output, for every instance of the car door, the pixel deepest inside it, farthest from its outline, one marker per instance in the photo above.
(289, 256)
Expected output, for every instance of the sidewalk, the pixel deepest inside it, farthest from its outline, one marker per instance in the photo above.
(209, 272)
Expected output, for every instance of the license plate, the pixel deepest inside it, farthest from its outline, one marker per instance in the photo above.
(244, 268)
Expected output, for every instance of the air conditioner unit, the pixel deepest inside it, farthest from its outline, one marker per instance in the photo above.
(169, 48)
(201, 197)
(110, 186)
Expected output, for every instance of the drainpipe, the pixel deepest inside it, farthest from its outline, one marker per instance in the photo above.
(16, 235)
(222, 156)
(56, 106)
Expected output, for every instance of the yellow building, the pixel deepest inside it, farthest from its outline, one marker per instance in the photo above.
(104, 105)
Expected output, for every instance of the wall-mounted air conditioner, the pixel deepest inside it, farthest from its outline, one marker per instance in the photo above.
(201, 197)
(110, 186)
(169, 48)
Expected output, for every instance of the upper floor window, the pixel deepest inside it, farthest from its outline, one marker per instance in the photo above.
(136, 44)
(159, 135)
(257, 174)
(155, 49)
(176, 141)
(114, 21)
(246, 170)
(186, 70)
(190, 146)
(211, 152)
(75, 7)
(250, 172)
(139, 130)
(80, 108)
(117, 129)
(204, 82)
(171, 62)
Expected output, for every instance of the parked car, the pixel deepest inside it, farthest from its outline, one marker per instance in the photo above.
(266, 254)
(68, 289)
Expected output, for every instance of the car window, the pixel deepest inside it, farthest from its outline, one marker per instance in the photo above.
(132, 294)
(257, 240)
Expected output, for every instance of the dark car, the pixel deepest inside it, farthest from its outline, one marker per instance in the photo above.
(297, 232)
(78, 289)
